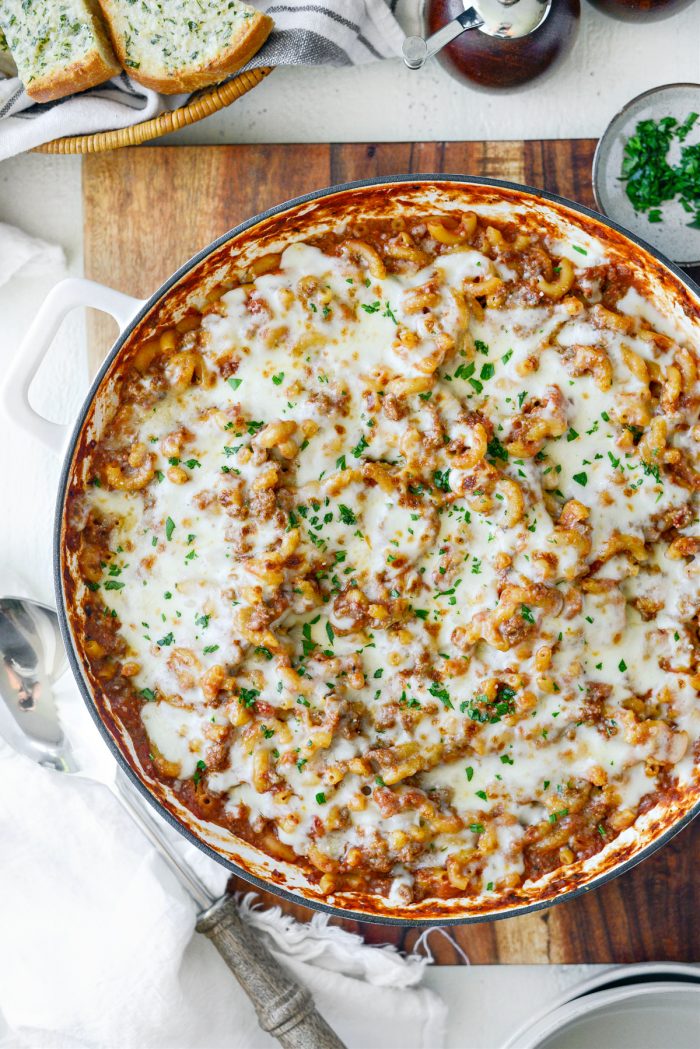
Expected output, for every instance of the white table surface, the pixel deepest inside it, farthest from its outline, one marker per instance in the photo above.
(487, 1003)
(611, 63)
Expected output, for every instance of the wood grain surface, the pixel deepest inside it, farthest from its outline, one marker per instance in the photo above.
(149, 209)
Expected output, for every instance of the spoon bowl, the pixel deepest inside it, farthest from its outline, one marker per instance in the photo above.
(32, 658)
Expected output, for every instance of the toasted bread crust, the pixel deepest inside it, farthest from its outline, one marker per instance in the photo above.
(86, 72)
(224, 65)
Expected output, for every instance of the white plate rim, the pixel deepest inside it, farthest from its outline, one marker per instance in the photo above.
(686, 973)
(532, 1035)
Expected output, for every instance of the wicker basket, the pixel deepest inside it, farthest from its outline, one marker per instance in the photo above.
(203, 105)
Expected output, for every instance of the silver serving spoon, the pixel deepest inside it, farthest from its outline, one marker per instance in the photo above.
(504, 18)
(32, 658)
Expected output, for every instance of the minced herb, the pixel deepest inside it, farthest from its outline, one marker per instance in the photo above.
(649, 178)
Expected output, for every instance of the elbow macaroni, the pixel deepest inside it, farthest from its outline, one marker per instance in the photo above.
(390, 556)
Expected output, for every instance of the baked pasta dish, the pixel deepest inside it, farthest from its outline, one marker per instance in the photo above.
(386, 556)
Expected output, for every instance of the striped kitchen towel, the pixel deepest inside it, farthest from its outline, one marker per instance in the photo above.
(307, 32)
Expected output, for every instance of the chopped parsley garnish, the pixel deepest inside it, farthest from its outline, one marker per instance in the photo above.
(234, 383)
(652, 470)
(148, 694)
(464, 371)
(165, 641)
(360, 447)
(201, 767)
(650, 180)
(488, 712)
(440, 692)
(321, 798)
(496, 450)
(247, 696)
(441, 480)
(526, 613)
(470, 773)
(581, 478)
(169, 528)
(346, 514)
(554, 816)
(278, 379)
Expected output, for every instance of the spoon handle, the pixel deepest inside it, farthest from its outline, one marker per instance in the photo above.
(285, 1009)
(417, 51)
(142, 817)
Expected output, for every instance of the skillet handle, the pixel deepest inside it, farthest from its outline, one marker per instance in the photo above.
(67, 295)
(285, 1009)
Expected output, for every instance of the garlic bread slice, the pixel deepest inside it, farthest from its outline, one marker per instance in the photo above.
(59, 46)
(183, 45)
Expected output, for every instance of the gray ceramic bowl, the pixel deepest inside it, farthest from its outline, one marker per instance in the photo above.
(672, 236)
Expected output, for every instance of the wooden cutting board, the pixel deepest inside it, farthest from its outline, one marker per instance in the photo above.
(147, 210)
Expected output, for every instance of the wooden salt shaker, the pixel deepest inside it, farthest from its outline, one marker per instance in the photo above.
(509, 42)
(641, 10)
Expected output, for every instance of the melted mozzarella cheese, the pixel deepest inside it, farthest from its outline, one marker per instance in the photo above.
(353, 655)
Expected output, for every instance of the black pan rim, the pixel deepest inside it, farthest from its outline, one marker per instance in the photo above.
(71, 650)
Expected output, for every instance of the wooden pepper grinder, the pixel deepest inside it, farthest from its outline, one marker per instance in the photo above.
(641, 10)
(510, 42)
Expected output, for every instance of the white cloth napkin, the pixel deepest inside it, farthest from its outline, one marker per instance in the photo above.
(97, 936)
(20, 253)
(328, 32)
(98, 946)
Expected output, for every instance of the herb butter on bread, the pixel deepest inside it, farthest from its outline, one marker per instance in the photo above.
(182, 45)
(59, 46)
